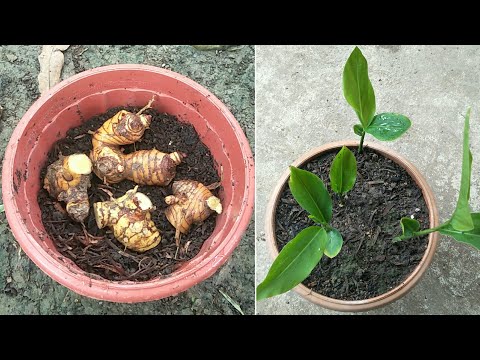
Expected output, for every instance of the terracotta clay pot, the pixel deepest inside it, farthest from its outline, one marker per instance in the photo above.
(393, 294)
(92, 92)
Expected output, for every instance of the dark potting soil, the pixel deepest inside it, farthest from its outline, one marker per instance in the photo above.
(108, 258)
(368, 217)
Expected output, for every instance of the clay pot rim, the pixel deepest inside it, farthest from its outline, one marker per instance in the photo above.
(391, 295)
(126, 291)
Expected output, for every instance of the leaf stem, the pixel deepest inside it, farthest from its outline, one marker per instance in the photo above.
(423, 232)
(428, 231)
(360, 147)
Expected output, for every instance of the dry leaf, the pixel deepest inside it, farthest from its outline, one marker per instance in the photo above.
(218, 47)
(51, 64)
(232, 302)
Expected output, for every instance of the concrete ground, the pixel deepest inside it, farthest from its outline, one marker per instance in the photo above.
(24, 289)
(300, 105)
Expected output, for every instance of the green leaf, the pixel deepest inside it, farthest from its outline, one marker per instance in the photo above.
(343, 171)
(2, 209)
(388, 126)
(358, 130)
(470, 179)
(294, 263)
(461, 218)
(310, 192)
(334, 243)
(409, 228)
(471, 237)
(357, 88)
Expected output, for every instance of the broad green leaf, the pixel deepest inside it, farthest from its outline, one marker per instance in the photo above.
(409, 228)
(294, 263)
(471, 237)
(357, 88)
(358, 129)
(334, 243)
(343, 171)
(310, 192)
(388, 126)
(461, 218)
(2, 209)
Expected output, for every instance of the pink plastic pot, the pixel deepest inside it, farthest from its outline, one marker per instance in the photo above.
(92, 92)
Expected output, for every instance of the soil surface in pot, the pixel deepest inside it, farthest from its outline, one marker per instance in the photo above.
(108, 258)
(368, 218)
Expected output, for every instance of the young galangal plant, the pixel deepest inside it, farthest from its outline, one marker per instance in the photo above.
(300, 256)
(358, 92)
(463, 225)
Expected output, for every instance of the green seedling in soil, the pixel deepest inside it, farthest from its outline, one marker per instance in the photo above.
(343, 171)
(300, 256)
(464, 225)
(358, 92)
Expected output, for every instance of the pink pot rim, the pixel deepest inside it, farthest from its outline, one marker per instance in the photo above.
(126, 291)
